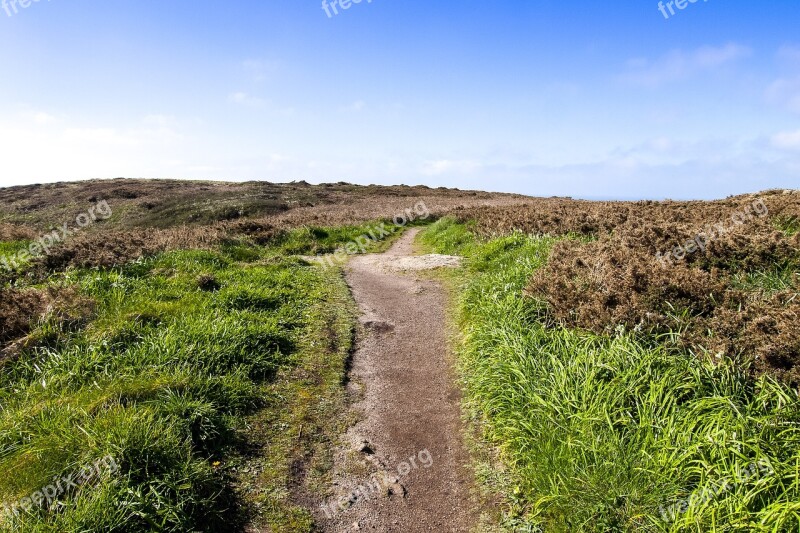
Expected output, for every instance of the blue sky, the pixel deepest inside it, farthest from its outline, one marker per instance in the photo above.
(543, 97)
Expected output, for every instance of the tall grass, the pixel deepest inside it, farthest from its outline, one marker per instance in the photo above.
(206, 375)
(608, 433)
(9, 251)
(315, 240)
(790, 225)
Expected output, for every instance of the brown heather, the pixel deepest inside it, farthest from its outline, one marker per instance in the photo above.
(20, 309)
(613, 280)
(172, 203)
(150, 217)
(716, 298)
(561, 216)
(113, 246)
(15, 232)
(17, 309)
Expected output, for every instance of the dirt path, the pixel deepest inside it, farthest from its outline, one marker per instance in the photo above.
(405, 469)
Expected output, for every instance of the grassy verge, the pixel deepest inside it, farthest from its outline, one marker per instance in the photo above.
(605, 433)
(301, 419)
(315, 240)
(211, 379)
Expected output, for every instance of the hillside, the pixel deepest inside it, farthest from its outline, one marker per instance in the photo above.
(168, 203)
(228, 357)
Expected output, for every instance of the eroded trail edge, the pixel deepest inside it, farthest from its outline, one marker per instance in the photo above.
(404, 466)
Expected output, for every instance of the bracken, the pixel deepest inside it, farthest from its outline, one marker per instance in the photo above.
(737, 296)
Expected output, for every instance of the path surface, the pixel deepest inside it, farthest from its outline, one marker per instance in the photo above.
(406, 453)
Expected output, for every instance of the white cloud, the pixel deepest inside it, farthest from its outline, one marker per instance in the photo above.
(155, 129)
(43, 118)
(447, 166)
(789, 54)
(259, 70)
(787, 140)
(785, 91)
(254, 102)
(160, 121)
(628, 178)
(710, 57)
(678, 64)
(99, 137)
(39, 117)
(160, 145)
(670, 151)
(355, 107)
(38, 147)
(244, 99)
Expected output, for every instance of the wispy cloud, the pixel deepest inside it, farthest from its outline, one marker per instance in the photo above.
(787, 140)
(355, 107)
(678, 64)
(160, 121)
(785, 91)
(259, 70)
(247, 100)
(790, 54)
(448, 166)
(41, 117)
(79, 147)
(31, 115)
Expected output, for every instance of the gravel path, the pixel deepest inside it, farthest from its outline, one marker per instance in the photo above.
(404, 467)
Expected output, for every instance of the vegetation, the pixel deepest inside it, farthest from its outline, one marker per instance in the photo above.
(192, 340)
(163, 204)
(617, 431)
(211, 378)
(187, 339)
(725, 274)
(149, 217)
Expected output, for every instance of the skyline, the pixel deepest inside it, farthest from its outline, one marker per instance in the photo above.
(569, 99)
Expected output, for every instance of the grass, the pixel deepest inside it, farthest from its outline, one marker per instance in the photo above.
(766, 282)
(602, 433)
(213, 378)
(790, 225)
(9, 251)
(315, 240)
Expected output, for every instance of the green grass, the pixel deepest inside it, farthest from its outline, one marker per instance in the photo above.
(214, 380)
(790, 225)
(607, 434)
(766, 282)
(9, 251)
(314, 240)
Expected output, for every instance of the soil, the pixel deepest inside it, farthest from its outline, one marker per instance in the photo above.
(406, 453)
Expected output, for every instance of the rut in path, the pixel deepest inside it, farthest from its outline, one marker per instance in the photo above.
(410, 432)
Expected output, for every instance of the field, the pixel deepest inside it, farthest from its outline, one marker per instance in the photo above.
(611, 392)
(206, 359)
(625, 366)
(716, 278)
